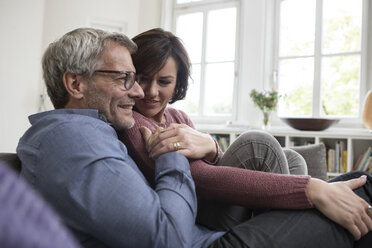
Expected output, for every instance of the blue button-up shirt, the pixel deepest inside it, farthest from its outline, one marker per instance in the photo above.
(74, 158)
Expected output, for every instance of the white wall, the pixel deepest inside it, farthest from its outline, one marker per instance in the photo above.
(150, 15)
(21, 25)
(28, 26)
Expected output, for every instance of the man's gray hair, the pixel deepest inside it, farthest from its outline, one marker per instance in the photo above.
(78, 51)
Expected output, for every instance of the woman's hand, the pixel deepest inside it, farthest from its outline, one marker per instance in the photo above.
(338, 202)
(191, 143)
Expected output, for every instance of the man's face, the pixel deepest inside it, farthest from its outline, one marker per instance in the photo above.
(106, 91)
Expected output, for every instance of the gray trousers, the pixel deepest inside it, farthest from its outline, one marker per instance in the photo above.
(253, 150)
(264, 228)
(260, 151)
(296, 228)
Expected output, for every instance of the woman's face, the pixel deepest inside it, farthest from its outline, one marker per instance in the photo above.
(158, 91)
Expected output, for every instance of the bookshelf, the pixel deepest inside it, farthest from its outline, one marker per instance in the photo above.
(353, 141)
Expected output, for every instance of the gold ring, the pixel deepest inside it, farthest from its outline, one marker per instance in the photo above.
(369, 210)
(176, 146)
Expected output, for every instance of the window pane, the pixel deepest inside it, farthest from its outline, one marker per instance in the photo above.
(342, 20)
(191, 103)
(190, 29)
(296, 87)
(221, 31)
(219, 88)
(297, 27)
(340, 85)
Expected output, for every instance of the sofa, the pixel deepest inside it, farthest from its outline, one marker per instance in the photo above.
(41, 227)
(26, 220)
(314, 155)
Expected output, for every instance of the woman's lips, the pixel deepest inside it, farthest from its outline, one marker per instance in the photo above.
(150, 103)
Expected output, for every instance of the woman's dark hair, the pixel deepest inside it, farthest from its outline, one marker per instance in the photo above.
(155, 46)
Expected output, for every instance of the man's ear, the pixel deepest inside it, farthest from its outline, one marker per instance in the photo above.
(73, 85)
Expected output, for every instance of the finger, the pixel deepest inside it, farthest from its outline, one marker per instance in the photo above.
(176, 125)
(362, 226)
(145, 132)
(354, 230)
(368, 223)
(158, 131)
(166, 138)
(167, 133)
(165, 146)
(172, 131)
(357, 182)
(153, 139)
(367, 218)
(362, 220)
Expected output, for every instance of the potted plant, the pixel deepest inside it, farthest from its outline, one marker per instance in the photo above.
(267, 101)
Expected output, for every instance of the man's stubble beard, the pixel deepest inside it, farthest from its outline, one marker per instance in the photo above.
(97, 100)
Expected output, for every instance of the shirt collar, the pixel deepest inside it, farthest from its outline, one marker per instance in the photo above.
(87, 112)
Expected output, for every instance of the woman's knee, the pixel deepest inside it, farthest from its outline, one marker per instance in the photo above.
(257, 136)
(296, 163)
(259, 151)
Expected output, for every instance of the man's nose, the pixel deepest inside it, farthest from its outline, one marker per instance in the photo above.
(136, 91)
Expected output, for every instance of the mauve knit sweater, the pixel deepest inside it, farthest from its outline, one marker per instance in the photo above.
(249, 188)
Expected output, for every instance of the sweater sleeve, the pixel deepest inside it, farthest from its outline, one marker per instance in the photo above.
(229, 184)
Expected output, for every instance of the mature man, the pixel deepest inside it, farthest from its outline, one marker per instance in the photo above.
(73, 157)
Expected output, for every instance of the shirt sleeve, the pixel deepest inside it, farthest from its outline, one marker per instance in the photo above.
(99, 190)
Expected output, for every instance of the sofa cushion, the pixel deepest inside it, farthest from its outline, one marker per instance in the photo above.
(316, 159)
(26, 220)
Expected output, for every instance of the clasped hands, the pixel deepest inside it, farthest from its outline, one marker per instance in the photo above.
(181, 138)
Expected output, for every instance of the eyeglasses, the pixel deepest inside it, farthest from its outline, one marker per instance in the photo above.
(129, 78)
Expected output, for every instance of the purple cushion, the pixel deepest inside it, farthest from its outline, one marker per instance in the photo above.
(25, 218)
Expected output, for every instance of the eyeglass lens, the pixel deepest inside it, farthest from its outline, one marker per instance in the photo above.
(129, 79)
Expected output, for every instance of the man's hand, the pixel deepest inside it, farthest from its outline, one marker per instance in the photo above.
(338, 202)
(149, 137)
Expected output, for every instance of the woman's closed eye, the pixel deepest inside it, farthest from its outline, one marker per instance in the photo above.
(164, 82)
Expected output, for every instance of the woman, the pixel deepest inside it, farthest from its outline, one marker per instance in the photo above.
(163, 68)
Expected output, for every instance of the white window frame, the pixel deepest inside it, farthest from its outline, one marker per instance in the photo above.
(366, 61)
(205, 6)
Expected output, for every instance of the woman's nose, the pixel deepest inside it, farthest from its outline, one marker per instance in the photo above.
(150, 89)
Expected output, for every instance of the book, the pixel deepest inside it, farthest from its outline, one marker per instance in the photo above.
(343, 158)
(337, 157)
(344, 161)
(364, 159)
(223, 142)
(368, 167)
(331, 160)
(357, 162)
(364, 167)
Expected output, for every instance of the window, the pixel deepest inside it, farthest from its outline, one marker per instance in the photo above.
(208, 30)
(320, 57)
